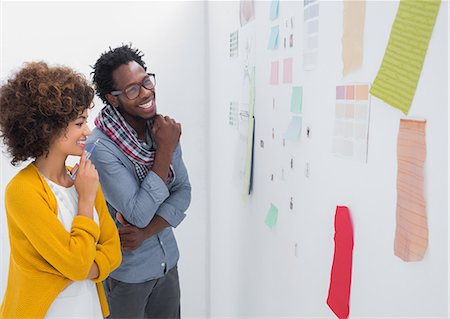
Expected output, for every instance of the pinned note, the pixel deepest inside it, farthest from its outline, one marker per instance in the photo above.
(272, 216)
(274, 9)
(274, 73)
(273, 39)
(296, 99)
(287, 70)
(294, 129)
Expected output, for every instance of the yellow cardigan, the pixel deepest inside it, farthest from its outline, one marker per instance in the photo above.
(44, 256)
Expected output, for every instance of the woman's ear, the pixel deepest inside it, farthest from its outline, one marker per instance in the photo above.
(113, 100)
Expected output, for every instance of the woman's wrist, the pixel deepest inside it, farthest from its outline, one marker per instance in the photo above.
(85, 208)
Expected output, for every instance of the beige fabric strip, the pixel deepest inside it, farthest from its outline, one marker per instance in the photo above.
(353, 36)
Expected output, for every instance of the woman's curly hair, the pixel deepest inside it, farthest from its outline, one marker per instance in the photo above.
(36, 106)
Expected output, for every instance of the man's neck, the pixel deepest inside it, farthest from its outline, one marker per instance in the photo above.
(138, 124)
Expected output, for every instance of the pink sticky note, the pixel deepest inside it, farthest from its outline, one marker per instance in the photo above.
(287, 70)
(274, 73)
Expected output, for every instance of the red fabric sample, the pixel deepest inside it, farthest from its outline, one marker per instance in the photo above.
(341, 271)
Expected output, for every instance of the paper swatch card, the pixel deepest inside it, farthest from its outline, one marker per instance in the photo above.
(311, 33)
(351, 122)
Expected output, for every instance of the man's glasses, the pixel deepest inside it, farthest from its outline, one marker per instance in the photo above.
(132, 91)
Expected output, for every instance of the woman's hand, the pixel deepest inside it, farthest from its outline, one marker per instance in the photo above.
(93, 272)
(86, 184)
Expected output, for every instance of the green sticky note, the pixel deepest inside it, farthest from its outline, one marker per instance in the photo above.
(272, 216)
(296, 99)
(397, 79)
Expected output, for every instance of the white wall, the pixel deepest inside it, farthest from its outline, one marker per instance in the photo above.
(254, 270)
(231, 264)
(172, 35)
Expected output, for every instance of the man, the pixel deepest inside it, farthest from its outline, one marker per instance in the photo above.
(145, 183)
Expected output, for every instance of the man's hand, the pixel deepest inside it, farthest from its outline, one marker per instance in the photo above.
(166, 132)
(121, 220)
(131, 237)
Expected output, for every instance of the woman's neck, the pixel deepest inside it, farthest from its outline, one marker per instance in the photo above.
(54, 168)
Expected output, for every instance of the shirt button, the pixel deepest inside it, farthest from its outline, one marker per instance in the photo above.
(163, 264)
(161, 243)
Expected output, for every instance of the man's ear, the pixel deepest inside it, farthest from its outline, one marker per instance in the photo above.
(113, 100)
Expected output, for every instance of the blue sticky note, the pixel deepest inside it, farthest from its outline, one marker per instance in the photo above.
(296, 99)
(272, 216)
(294, 129)
(274, 9)
(273, 40)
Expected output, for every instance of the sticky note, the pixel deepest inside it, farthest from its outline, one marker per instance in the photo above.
(287, 70)
(294, 129)
(296, 99)
(272, 216)
(274, 9)
(274, 73)
(273, 39)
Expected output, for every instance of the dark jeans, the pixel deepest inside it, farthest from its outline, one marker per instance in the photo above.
(155, 299)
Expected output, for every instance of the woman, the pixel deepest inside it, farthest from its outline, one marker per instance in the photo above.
(63, 241)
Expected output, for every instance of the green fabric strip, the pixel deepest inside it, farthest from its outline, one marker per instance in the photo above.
(397, 79)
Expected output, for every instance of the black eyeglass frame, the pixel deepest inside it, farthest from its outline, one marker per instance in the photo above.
(119, 92)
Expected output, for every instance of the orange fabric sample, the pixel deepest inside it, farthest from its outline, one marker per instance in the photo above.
(411, 234)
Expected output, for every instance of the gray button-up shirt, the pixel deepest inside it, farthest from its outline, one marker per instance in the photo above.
(138, 203)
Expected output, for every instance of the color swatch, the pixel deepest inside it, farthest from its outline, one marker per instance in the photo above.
(311, 34)
(351, 123)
